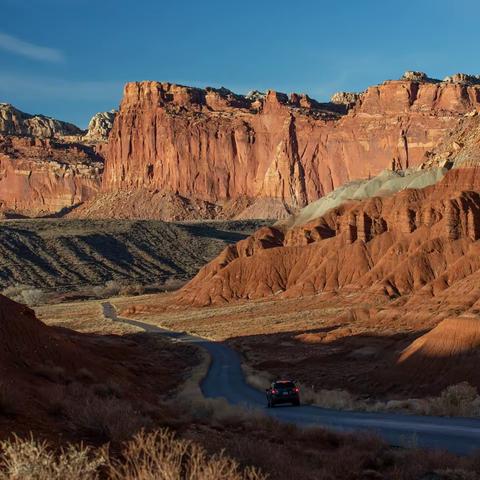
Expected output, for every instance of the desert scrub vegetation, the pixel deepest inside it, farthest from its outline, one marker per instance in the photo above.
(30, 459)
(158, 455)
(117, 288)
(99, 411)
(461, 400)
(106, 419)
(161, 455)
(25, 294)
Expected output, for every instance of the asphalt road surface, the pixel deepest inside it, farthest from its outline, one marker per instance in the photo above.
(225, 379)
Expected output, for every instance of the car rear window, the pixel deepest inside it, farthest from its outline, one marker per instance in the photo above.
(284, 385)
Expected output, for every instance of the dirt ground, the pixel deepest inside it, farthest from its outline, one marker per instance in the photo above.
(323, 341)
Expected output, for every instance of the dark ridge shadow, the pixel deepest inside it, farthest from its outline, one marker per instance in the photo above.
(212, 232)
(363, 364)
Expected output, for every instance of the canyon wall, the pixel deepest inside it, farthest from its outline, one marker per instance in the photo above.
(178, 152)
(42, 176)
(216, 146)
(47, 165)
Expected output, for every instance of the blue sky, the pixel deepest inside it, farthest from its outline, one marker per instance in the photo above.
(70, 58)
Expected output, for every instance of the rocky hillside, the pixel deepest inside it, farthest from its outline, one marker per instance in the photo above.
(99, 126)
(216, 146)
(15, 122)
(57, 255)
(415, 242)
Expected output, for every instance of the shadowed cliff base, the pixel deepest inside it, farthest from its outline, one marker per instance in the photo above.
(142, 203)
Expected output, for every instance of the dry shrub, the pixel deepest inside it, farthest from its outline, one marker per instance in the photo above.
(171, 284)
(33, 297)
(110, 289)
(33, 460)
(162, 456)
(461, 400)
(132, 290)
(14, 292)
(426, 464)
(337, 399)
(218, 411)
(259, 380)
(457, 400)
(25, 294)
(106, 419)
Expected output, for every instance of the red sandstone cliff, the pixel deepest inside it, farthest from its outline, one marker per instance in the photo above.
(215, 146)
(178, 152)
(41, 176)
(47, 165)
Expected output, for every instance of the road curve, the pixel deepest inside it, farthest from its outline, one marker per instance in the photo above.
(225, 379)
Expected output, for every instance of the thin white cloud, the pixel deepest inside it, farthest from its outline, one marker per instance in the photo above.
(30, 50)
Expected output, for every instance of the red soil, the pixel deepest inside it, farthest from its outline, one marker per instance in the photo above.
(418, 242)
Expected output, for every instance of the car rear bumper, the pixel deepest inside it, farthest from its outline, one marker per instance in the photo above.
(286, 399)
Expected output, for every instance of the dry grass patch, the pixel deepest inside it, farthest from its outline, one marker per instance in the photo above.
(461, 400)
(34, 460)
(83, 316)
(107, 419)
(25, 294)
(162, 456)
(158, 455)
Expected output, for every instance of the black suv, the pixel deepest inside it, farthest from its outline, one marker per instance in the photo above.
(283, 391)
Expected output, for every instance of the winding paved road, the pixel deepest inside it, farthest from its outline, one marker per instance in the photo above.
(225, 379)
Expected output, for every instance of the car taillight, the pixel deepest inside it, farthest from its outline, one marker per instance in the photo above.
(296, 389)
(274, 391)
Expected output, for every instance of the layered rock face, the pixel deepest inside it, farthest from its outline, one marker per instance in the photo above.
(47, 165)
(420, 241)
(216, 146)
(42, 176)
